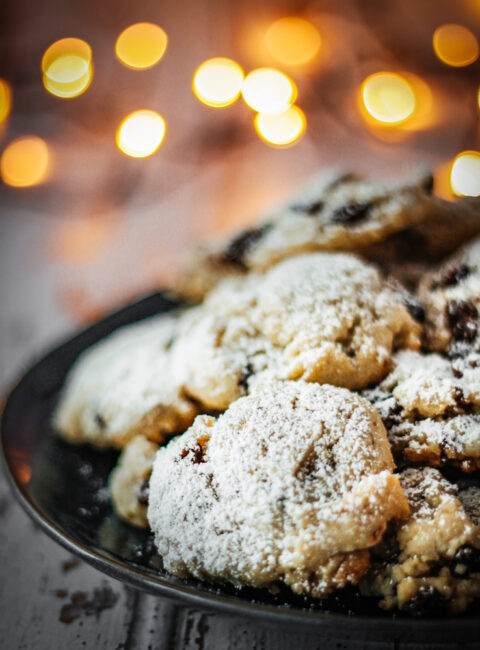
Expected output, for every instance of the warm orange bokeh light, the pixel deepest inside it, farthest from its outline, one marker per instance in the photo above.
(25, 162)
(283, 129)
(269, 91)
(455, 45)
(141, 133)
(5, 99)
(293, 41)
(388, 97)
(217, 82)
(67, 67)
(465, 174)
(141, 46)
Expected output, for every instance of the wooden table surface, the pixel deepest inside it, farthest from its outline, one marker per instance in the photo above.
(107, 228)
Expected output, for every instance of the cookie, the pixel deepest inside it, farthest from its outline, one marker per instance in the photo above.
(446, 226)
(430, 562)
(451, 296)
(129, 481)
(123, 386)
(334, 211)
(293, 483)
(431, 409)
(321, 317)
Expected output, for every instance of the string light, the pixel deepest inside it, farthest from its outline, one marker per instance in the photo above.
(269, 91)
(5, 100)
(293, 41)
(282, 129)
(388, 97)
(67, 67)
(217, 82)
(25, 162)
(141, 133)
(465, 174)
(455, 45)
(141, 46)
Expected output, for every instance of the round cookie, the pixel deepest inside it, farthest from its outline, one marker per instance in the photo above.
(334, 211)
(123, 386)
(322, 317)
(128, 482)
(429, 562)
(451, 297)
(292, 483)
(431, 409)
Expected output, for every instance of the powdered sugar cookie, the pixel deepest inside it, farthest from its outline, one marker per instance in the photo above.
(334, 211)
(292, 483)
(323, 317)
(431, 561)
(123, 386)
(128, 482)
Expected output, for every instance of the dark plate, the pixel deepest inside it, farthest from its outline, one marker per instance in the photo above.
(63, 489)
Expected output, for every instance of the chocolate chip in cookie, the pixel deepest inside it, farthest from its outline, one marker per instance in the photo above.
(351, 212)
(451, 275)
(462, 317)
(240, 245)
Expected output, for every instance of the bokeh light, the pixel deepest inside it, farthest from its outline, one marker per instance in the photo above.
(293, 41)
(455, 45)
(218, 82)
(5, 99)
(465, 174)
(141, 46)
(67, 67)
(388, 97)
(25, 162)
(269, 91)
(141, 133)
(282, 129)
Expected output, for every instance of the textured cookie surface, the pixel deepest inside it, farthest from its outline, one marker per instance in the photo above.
(430, 406)
(451, 296)
(123, 386)
(335, 211)
(431, 561)
(292, 483)
(128, 482)
(323, 317)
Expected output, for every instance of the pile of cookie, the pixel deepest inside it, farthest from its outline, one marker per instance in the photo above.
(310, 414)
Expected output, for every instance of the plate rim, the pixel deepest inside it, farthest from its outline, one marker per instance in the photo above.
(372, 627)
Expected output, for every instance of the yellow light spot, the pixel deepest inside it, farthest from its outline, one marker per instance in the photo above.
(217, 82)
(465, 174)
(388, 97)
(455, 45)
(67, 67)
(5, 100)
(269, 91)
(141, 133)
(293, 41)
(283, 129)
(25, 162)
(141, 46)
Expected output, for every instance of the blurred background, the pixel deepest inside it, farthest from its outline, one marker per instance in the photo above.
(130, 130)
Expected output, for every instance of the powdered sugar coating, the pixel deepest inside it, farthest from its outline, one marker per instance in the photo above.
(335, 210)
(129, 479)
(123, 386)
(431, 409)
(291, 483)
(429, 561)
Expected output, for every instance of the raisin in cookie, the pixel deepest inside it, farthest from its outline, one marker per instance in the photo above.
(123, 386)
(451, 296)
(292, 483)
(335, 211)
(128, 482)
(431, 409)
(322, 317)
(431, 561)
